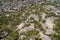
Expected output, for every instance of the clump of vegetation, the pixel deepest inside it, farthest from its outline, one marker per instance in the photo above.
(38, 25)
(57, 25)
(43, 21)
(50, 14)
(13, 36)
(38, 39)
(1, 3)
(31, 32)
(56, 35)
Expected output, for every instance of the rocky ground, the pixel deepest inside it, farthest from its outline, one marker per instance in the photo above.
(30, 20)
